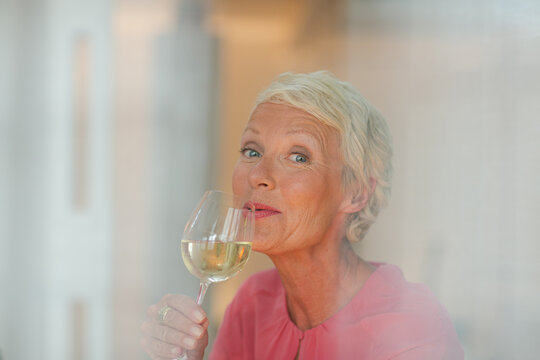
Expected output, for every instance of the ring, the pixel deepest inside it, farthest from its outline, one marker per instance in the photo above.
(163, 312)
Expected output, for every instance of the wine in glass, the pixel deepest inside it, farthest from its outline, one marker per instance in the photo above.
(217, 238)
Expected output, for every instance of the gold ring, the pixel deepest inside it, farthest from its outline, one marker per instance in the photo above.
(163, 312)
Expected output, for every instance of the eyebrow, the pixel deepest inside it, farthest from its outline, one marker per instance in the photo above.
(311, 131)
(253, 130)
(302, 131)
(314, 133)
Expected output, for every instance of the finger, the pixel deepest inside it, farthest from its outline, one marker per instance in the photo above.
(181, 303)
(153, 310)
(144, 345)
(159, 349)
(154, 357)
(180, 322)
(186, 306)
(172, 336)
(198, 352)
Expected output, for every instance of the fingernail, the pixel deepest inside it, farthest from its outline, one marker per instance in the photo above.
(198, 315)
(197, 331)
(189, 342)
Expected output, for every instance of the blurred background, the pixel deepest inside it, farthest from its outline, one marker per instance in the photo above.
(116, 115)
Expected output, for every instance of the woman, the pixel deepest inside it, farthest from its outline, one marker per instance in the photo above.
(315, 161)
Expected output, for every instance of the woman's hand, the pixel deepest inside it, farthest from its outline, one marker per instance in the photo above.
(176, 324)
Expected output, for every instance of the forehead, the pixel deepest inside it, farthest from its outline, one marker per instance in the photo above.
(269, 118)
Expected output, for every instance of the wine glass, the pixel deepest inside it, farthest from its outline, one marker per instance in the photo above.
(217, 238)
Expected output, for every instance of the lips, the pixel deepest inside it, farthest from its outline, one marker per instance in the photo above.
(262, 210)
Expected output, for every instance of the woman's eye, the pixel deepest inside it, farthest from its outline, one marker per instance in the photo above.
(299, 158)
(250, 153)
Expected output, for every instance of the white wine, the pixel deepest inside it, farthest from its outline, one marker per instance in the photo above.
(215, 260)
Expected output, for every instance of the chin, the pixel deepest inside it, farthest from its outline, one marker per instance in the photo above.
(262, 248)
(257, 247)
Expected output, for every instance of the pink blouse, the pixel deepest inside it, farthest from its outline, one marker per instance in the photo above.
(389, 318)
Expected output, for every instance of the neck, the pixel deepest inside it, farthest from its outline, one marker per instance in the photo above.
(320, 280)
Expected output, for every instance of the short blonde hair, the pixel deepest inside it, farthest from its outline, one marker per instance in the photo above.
(365, 137)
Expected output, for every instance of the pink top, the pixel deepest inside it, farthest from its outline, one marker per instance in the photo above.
(389, 318)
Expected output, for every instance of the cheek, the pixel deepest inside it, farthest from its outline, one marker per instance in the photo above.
(303, 190)
(312, 196)
(239, 178)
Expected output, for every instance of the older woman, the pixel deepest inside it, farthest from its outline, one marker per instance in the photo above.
(315, 160)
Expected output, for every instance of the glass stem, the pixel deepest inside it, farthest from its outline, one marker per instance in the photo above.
(202, 291)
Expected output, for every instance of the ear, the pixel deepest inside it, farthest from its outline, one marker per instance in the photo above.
(357, 202)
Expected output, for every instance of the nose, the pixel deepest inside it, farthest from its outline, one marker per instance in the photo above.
(261, 175)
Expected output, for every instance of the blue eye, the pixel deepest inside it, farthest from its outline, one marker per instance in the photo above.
(250, 153)
(299, 158)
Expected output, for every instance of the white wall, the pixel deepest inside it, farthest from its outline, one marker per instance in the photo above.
(55, 256)
(21, 260)
(459, 83)
(7, 18)
(76, 278)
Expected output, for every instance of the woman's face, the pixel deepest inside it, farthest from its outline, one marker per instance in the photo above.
(290, 168)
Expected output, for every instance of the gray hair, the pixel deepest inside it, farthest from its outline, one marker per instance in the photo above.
(365, 138)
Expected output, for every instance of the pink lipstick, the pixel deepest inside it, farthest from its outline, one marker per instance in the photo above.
(262, 210)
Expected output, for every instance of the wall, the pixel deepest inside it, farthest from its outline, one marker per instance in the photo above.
(458, 83)
(56, 253)
(104, 150)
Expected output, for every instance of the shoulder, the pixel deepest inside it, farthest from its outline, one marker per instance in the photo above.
(388, 290)
(402, 315)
